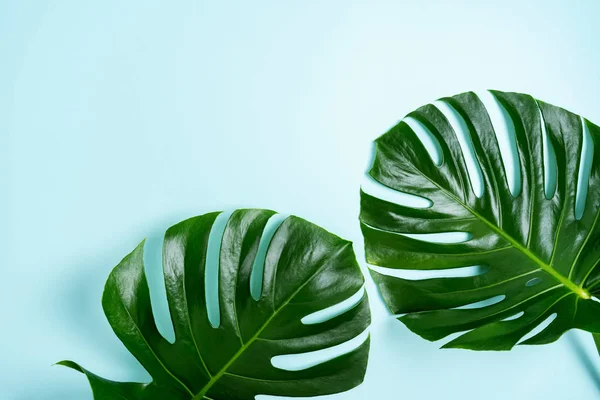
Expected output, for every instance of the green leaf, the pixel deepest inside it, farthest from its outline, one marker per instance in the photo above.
(306, 269)
(535, 255)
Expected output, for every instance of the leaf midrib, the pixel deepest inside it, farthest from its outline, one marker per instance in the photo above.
(233, 359)
(579, 291)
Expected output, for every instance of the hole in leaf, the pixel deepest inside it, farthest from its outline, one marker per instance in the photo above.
(585, 167)
(379, 190)
(464, 139)
(414, 274)
(156, 284)
(258, 268)
(302, 361)
(504, 128)
(513, 317)
(533, 282)
(211, 272)
(483, 303)
(440, 237)
(538, 329)
(429, 141)
(550, 168)
(336, 310)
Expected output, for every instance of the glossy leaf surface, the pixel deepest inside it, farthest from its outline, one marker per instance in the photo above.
(538, 259)
(306, 269)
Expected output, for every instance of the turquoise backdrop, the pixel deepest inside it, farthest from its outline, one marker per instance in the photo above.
(121, 118)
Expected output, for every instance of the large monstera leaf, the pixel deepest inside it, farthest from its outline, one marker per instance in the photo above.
(306, 269)
(535, 254)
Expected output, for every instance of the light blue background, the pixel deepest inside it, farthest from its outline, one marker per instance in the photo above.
(120, 118)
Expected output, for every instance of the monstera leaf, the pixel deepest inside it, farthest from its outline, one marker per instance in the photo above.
(306, 270)
(538, 257)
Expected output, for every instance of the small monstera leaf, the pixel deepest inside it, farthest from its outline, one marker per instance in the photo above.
(306, 269)
(536, 254)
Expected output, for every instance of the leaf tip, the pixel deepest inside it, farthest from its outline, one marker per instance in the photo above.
(69, 364)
